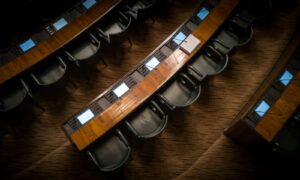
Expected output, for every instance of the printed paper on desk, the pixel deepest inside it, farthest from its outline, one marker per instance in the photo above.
(189, 44)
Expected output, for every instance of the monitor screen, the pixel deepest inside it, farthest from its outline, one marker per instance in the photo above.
(202, 13)
(179, 38)
(152, 63)
(60, 23)
(85, 116)
(26, 45)
(88, 3)
(121, 89)
(286, 77)
(262, 108)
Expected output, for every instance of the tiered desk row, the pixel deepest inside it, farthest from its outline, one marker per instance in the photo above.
(124, 97)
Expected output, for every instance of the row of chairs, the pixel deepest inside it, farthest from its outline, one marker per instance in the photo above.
(112, 151)
(80, 51)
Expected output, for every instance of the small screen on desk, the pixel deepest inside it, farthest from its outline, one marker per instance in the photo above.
(262, 108)
(202, 13)
(286, 77)
(121, 89)
(179, 38)
(26, 45)
(88, 3)
(85, 116)
(60, 23)
(150, 65)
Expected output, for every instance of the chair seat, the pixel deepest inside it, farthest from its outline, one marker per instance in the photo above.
(225, 41)
(12, 95)
(85, 51)
(13, 98)
(50, 75)
(50, 72)
(179, 95)
(110, 153)
(113, 28)
(148, 123)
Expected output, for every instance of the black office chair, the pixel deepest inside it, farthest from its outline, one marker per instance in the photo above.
(83, 49)
(49, 72)
(111, 152)
(13, 94)
(211, 62)
(181, 93)
(149, 121)
(114, 29)
(140, 10)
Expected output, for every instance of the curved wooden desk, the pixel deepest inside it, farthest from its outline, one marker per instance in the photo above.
(83, 135)
(56, 41)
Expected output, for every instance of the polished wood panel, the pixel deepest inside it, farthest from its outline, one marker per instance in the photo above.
(102, 123)
(57, 40)
(281, 111)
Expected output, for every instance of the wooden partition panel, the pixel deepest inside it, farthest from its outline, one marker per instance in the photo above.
(103, 122)
(56, 41)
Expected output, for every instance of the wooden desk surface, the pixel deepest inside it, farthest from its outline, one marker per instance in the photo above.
(280, 112)
(56, 41)
(137, 95)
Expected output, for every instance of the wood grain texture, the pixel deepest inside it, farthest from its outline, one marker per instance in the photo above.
(56, 41)
(137, 95)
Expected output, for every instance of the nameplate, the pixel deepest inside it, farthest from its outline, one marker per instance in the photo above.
(189, 44)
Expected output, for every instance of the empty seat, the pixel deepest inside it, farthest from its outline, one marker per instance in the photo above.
(110, 152)
(113, 29)
(211, 62)
(83, 48)
(13, 94)
(238, 32)
(149, 121)
(182, 92)
(49, 72)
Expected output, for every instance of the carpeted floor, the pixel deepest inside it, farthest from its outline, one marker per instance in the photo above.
(193, 145)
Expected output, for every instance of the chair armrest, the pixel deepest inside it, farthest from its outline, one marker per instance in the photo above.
(155, 107)
(71, 58)
(188, 82)
(103, 35)
(93, 39)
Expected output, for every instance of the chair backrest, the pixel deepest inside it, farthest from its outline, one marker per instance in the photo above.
(111, 152)
(50, 72)
(149, 121)
(13, 94)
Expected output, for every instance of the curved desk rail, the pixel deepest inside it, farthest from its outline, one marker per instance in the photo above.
(112, 106)
(56, 41)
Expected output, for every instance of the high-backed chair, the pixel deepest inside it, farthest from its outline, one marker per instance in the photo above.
(149, 121)
(13, 94)
(139, 10)
(114, 29)
(110, 152)
(83, 49)
(211, 62)
(181, 93)
(49, 72)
